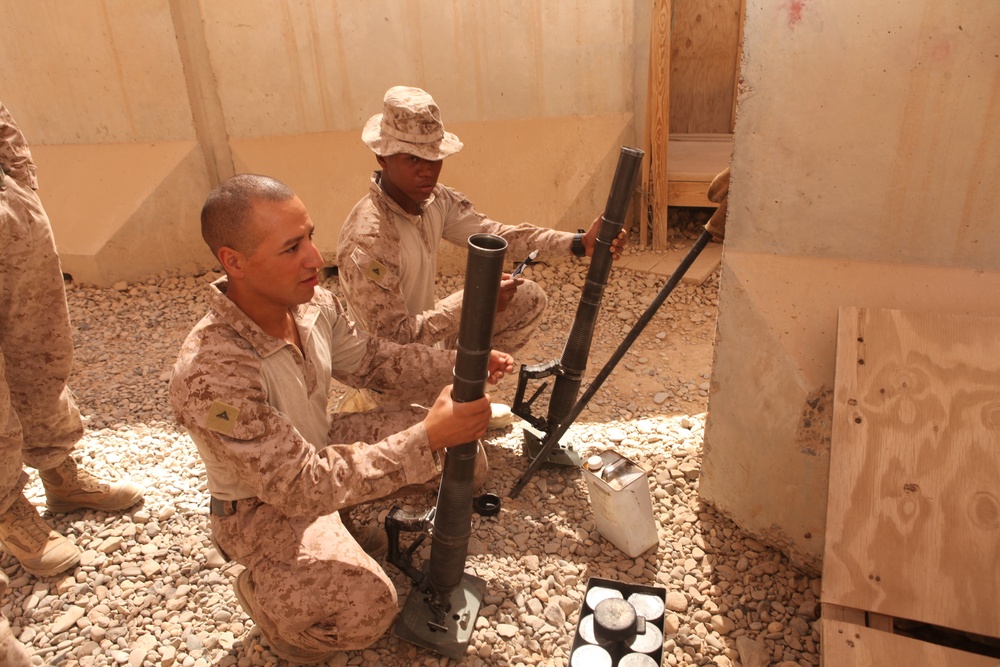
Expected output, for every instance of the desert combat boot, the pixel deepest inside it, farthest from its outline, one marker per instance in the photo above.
(68, 488)
(12, 652)
(41, 551)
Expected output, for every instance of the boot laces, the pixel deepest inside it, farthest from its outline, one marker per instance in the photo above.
(84, 480)
(73, 477)
(30, 525)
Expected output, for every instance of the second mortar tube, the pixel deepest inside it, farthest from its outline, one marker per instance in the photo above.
(453, 519)
(573, 362)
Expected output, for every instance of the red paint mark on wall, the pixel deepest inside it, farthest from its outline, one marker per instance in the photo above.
(795, 9)
(941, 49)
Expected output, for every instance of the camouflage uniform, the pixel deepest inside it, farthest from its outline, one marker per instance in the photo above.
(387, 257)
(386, 260)
(39, 421)
(257, 410)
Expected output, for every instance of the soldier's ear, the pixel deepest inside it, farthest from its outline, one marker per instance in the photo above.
(232, 260)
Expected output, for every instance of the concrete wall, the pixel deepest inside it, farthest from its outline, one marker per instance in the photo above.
(542, 94)
(865, 172)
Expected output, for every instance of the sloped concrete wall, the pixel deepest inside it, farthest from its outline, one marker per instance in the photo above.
(121, 211)
(283, 87)
(553, 172)
(865, 172)
(94, 72)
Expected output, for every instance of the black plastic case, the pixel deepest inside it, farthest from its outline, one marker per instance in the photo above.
(626, 590)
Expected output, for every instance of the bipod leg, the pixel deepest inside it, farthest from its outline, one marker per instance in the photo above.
(637, 328)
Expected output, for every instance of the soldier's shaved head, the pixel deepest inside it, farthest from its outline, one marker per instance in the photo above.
(226, 214)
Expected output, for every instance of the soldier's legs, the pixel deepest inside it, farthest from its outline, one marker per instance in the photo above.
(40, 550)
(12, 476)
(36, 341)
(308, 584)
(512, 329)
(35, 331)
(515, 325)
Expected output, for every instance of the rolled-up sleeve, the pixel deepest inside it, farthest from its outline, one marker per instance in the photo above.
(360, 360)
(463, 220)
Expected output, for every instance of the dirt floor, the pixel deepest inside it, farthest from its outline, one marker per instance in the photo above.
(152, 591)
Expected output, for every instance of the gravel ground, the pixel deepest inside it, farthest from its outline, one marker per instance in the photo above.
(150, 590)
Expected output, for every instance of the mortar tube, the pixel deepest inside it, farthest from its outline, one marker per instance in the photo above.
(616, 356)
(573, 362)
(453, 519)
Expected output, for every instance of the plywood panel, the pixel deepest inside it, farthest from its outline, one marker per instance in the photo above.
(849, 645)
(687, 193)
(913, 522)
(699, 157)
(703, 59)
(696, 159)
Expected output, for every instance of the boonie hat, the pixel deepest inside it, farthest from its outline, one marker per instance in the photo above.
(410, 122)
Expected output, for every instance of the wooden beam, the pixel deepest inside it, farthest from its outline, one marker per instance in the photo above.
(739, 61)
(851, 645)
(657, 138)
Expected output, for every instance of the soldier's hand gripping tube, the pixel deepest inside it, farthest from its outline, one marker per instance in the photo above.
(453, 522)
(569, 370)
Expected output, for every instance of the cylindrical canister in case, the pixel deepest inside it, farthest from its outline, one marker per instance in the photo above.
(637, 660)
(598, 594)
(590, 656)
(648, 606)
(649, 641)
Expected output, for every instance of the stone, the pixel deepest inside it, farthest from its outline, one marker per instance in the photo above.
(67, 620)
(507, 630)
(676, 601)
(156, 591)
(722, 624)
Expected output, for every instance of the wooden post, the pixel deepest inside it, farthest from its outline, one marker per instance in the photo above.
(657, 125)
(739, 59)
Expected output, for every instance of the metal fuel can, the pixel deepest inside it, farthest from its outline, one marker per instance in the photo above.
(621, 503)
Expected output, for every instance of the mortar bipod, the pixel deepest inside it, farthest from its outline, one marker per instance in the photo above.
(399, 521)
(563, 455)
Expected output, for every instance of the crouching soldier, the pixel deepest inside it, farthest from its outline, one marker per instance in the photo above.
(251, 385)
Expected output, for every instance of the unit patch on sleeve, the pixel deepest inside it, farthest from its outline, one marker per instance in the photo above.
(376, 271)
(222, 418)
